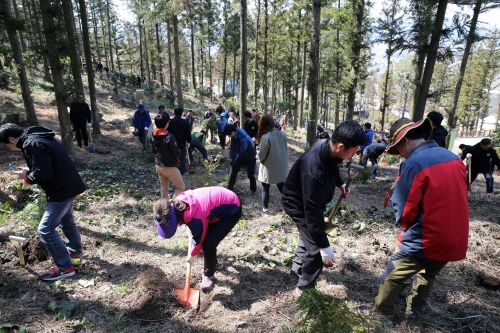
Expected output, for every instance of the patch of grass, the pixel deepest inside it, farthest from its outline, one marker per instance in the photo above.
(123, 289)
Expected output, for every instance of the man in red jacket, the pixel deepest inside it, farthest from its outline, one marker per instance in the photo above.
(430, 202)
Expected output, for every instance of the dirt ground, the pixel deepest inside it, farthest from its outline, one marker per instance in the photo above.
(127, 277)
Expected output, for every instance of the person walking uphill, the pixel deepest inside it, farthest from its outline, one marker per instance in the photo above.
(309, 187)
(80, 117)
(483, 160)
(430, 202)
(221, 123)
(179, 127)
(142, 122)
(50, 166)
(273, 156)
(166, 156)
(242, 155)
(210, 213)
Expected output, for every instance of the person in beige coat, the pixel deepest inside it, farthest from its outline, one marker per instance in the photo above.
(273, 156)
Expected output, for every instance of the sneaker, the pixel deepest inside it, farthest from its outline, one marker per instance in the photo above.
(207, 283)
(86, 147)
(58, 273)
(265, 212)
(218, 267)
(385, 320)
(74, 255)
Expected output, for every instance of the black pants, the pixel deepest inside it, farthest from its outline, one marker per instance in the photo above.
(81, 130)
(222, 139)
(265, 192)
(488, 175)
(197, 144)
(142, 138)
(216, 232)
(307, 262)
(250, 165)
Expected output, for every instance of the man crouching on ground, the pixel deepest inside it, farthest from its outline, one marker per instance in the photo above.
(50, 167)
(308, 189)
(430, 202)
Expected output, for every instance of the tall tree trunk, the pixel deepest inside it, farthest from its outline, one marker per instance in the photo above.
(96, 127)
(303, 87)
(273, 91)
(312, 84)
(31, 118)
(202, 58)
(386, 85)
(67, 8)
(157, 28)
(29, 32)
(170, 69)
(210, 73)
(224, 75)
(178, 82)
(234, 74)
(46, 68)
(146, 56)
(193, 75)
(256, 86)
(140, 48)
(243, 45)
(51, 32)
(109, 37)
(21, 37)
(359, 8)
(265, 78)
(431, 60)
(94, 23)
(471, 38)
(297, 83)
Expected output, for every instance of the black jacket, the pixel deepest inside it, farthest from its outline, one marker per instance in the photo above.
(251, 128)
(439, 135)
(179, 128)
(309, 187)
(165, 148)
(50, 165)
(219, 110)
(483, 160)
(79, 113)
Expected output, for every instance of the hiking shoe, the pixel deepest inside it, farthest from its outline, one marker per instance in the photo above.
(385, 320)
(293, 275)
(58, 273)
(74, 255)
(413, 315)
(265, 212)
(86, 147)
(207, 283)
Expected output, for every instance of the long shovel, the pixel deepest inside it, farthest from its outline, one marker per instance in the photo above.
(351, 175)
(469, 186)
(92, 148)
(187, 295)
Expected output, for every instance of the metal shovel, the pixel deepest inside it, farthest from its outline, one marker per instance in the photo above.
(18, 243)
(350, 178)
(92, 148)
(187, 295)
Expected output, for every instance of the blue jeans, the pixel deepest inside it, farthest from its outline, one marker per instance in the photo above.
(60, 214)
(488, 176)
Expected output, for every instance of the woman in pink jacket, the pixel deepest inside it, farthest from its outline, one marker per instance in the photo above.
(210, 213)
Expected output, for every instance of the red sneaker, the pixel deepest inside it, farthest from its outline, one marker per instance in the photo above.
(58, 273)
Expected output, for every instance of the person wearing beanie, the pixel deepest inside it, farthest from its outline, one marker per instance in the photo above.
(369, 137)
(483, 159)
(372, 153)
(142, 122)
(430, 204)
(179, 128)
(439, 133)
(243, 154)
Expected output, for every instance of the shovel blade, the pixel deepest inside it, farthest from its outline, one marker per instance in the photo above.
(191, 298)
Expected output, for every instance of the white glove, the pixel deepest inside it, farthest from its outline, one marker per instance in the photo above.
(146, 128)
(187, 145)
(327, 255)
(89, 124)
(343, 190)
(468, 155)
(253, 140)
(190, 260)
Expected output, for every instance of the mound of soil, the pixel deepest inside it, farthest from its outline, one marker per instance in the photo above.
(34, 251)
(487, 281)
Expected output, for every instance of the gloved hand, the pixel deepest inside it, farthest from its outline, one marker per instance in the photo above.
(468, 155)
(190, 260)
(328, 256)
(253, 140)
(89, 124)
(344, 191)
(146, 128)
(187, 145)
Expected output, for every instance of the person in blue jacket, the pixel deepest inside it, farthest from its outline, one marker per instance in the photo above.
(243, 154)
(221, 123)
(142, 122)
(369, 137)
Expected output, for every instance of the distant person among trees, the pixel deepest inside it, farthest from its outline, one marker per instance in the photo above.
(198, 140)
(99, 67)
(283, 121)
(319, 129)
(138, 81)
(167, 154)
(309, 187)
(255, 115)
(372, 153)
(439, 133)
(221, 123)
(369, 137)
(80, 117)
(219, 109)
(142, 122)
(483, 160)
(146, 82)
(210, 124)
(250, 126)
(273, 156)
(242, 155)
(210, 213)
(161, 109)
(190, 119)
(232, 120)
(179, 127)
(50, 166)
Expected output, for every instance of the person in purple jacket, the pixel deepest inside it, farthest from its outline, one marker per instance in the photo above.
(210, 213)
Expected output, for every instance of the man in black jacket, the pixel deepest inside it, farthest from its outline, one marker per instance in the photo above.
(439, 133)
(80, 117)
(309, 187)
(50, 167)
(483, 160)
(179, 128)
(250, 125)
